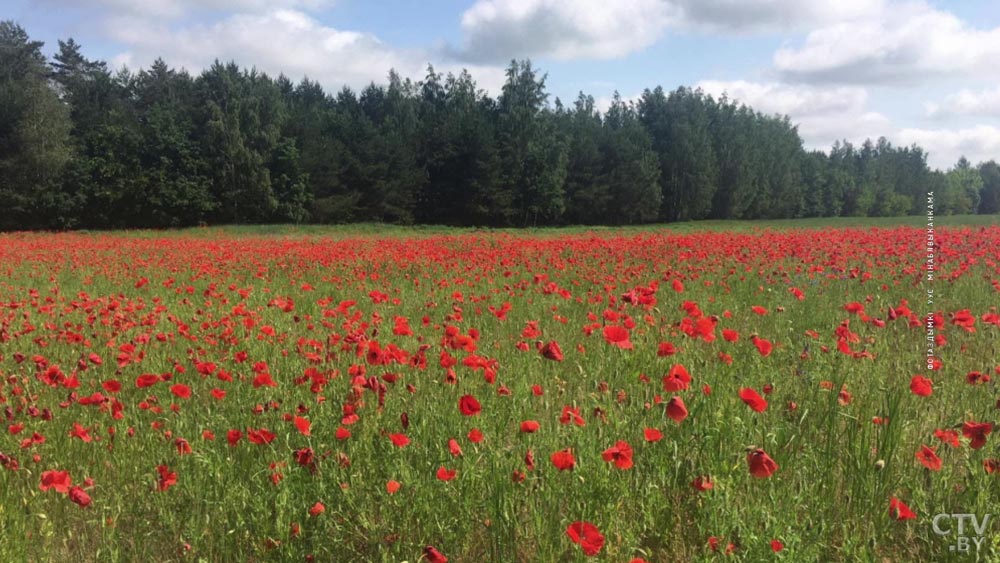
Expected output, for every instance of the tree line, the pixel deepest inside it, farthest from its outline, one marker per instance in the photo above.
(82, 146)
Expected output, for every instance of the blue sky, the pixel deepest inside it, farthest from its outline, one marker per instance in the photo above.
(915, 71)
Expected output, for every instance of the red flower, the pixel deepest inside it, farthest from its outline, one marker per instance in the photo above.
(620, 454)
(551, 351)
(167, 478)
(763, 346)
(79, 496)
(317, 509)
(928, 458)
(587, 536)
(181, 390)
(469, 406)
(652, 435)
(434, 556)
(399, 440)
(392, 486)
(302, 425)
(665, 349)
(475, 436)
(761, 465)
(570, 414)
(991, 466)
(777, 546)
(146, 380)
(753, 399)
(949, 437)
(58, 480)
(977, 432)
(446, 474)
(677, 380)
(702, 483)
(233, 437)
(921, 386)
(260, 437)
(899, 510)
(617, 336)
(677, 410)
(563, 459)
(529, 426)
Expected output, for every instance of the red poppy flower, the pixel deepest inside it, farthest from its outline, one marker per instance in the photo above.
(181, 390)
(146, 380)
(620, 454)
(677, 410)
(777, 546)
(454, 448)
(928, 457)
(264, 380)
(921, 386)
(730, 335)
(564, 460)
(529, 426)
(763, 346)
(899, 510)
(79, 496)
(317, 509)
(399, 440)
(587, 536)
(665, 349)
(233, 437)
(570, 414)
(166, 479)
(60, 481)
(434, 556)
(702, 483)
(446, 474)
(949, 437)
(303, 425)
(552, 351)
(652, 435)
(469, 406)
(475, 436)
(392, 486)
(260, 437)
(677, 379)
(761, 465)
(977, 432)
(991, 465)
(617, 336)
(753, 399)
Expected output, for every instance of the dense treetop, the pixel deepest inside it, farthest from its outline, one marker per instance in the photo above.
(82, 146)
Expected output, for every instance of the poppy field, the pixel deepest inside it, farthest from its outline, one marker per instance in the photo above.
(642, 395)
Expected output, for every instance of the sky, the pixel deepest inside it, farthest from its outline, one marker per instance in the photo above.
(914, 71)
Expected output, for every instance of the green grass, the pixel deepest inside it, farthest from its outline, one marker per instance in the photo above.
(827, 502)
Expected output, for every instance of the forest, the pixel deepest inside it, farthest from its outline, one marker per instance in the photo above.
(85, 146)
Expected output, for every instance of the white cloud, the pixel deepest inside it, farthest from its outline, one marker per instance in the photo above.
(906, 43)
(770, 15)
(985, 103)
(281, 41)
(823, 115)
(773, 97)
(499, 30)
(945, 146)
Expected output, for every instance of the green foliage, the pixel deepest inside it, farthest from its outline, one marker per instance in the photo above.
(81, 146)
